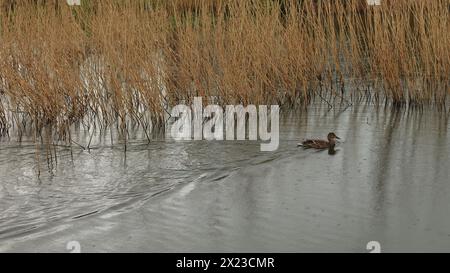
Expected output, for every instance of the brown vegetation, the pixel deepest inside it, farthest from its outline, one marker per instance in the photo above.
(106, 62)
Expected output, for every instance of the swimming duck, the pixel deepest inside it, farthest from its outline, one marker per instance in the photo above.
(321, 144)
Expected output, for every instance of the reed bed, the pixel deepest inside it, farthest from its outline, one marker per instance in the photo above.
(106, 63)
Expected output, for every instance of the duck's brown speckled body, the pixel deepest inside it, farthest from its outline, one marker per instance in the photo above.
(321, 144)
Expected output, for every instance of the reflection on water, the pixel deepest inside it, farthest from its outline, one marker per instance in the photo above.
(388, 181)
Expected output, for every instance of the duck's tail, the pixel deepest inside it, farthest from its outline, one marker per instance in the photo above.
(303, 145)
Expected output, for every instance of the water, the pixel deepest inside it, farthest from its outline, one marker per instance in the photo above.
(388, 182)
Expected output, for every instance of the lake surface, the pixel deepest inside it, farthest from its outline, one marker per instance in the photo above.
(389, 182)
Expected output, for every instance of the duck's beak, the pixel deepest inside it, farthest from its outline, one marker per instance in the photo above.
(338, 137)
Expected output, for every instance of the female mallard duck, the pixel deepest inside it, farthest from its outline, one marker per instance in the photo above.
(321, 144)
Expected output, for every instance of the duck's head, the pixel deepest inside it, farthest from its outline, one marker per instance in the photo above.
(332, 137)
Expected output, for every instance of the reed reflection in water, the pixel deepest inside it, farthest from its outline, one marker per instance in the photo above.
(387, 182)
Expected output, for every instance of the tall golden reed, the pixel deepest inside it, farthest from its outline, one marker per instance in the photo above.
(106, 62)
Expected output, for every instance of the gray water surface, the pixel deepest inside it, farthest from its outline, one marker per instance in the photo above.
(388, 182)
